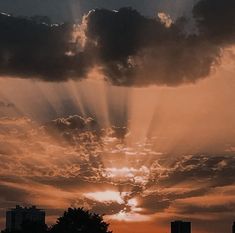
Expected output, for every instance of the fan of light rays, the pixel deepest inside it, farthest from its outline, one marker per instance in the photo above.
(158, 122)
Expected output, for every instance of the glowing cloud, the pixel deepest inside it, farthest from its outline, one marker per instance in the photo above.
(107, 196)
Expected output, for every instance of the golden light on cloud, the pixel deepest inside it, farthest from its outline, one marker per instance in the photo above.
(165, 19)
(138, 175)
(130, 217)
(107, 196)
(130, 213)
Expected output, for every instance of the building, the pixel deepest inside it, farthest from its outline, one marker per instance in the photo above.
(15, 217)
(180, 227)
(233, 228)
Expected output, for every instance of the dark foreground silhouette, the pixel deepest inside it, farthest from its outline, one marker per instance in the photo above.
(74, 220)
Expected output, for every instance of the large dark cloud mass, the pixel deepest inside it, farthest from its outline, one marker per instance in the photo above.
(216, 20)
(31, 48)
(135, 50)
(128, 48)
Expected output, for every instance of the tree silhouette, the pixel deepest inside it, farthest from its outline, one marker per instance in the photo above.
(78, 220)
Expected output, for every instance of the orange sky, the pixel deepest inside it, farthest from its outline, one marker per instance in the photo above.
(175, 161)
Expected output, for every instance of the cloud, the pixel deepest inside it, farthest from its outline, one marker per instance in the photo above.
(127, 48)
(134, 50)
(54, 173)
(34, 49)
(74, 122)
(152, 204)
(206, 172)
(219, 208)
(76, 128)
(216, 20)
(12, 195)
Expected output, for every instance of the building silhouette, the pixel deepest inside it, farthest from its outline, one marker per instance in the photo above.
(233, 228)
(15, 217)
(180, 227)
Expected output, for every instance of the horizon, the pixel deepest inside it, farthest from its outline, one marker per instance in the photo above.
(35, 208)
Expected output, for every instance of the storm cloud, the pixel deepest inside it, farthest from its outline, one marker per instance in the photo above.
(216, 20)
(32, 48)
(127, 48)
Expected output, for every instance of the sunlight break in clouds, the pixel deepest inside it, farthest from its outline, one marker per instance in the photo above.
(107, 196)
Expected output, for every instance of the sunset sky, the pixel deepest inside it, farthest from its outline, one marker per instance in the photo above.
(127, 112)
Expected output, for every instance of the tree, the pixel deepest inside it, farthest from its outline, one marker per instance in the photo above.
(78, 220)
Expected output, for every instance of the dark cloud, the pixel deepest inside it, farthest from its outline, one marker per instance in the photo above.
(107, 208)
(32, 48)
(152, 204)
(130, 49)
(216, 20)
(70, 126)
(73, 123)
(190, 177)
(135, 50)
(12, 194)
(201, 168)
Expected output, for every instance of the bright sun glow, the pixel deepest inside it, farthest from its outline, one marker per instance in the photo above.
(129, 217)
(106, 196)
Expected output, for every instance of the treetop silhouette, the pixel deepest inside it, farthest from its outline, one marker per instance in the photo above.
(78, 220)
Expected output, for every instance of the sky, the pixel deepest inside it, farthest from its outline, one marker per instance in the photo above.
(67, 10)
(128, 113)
